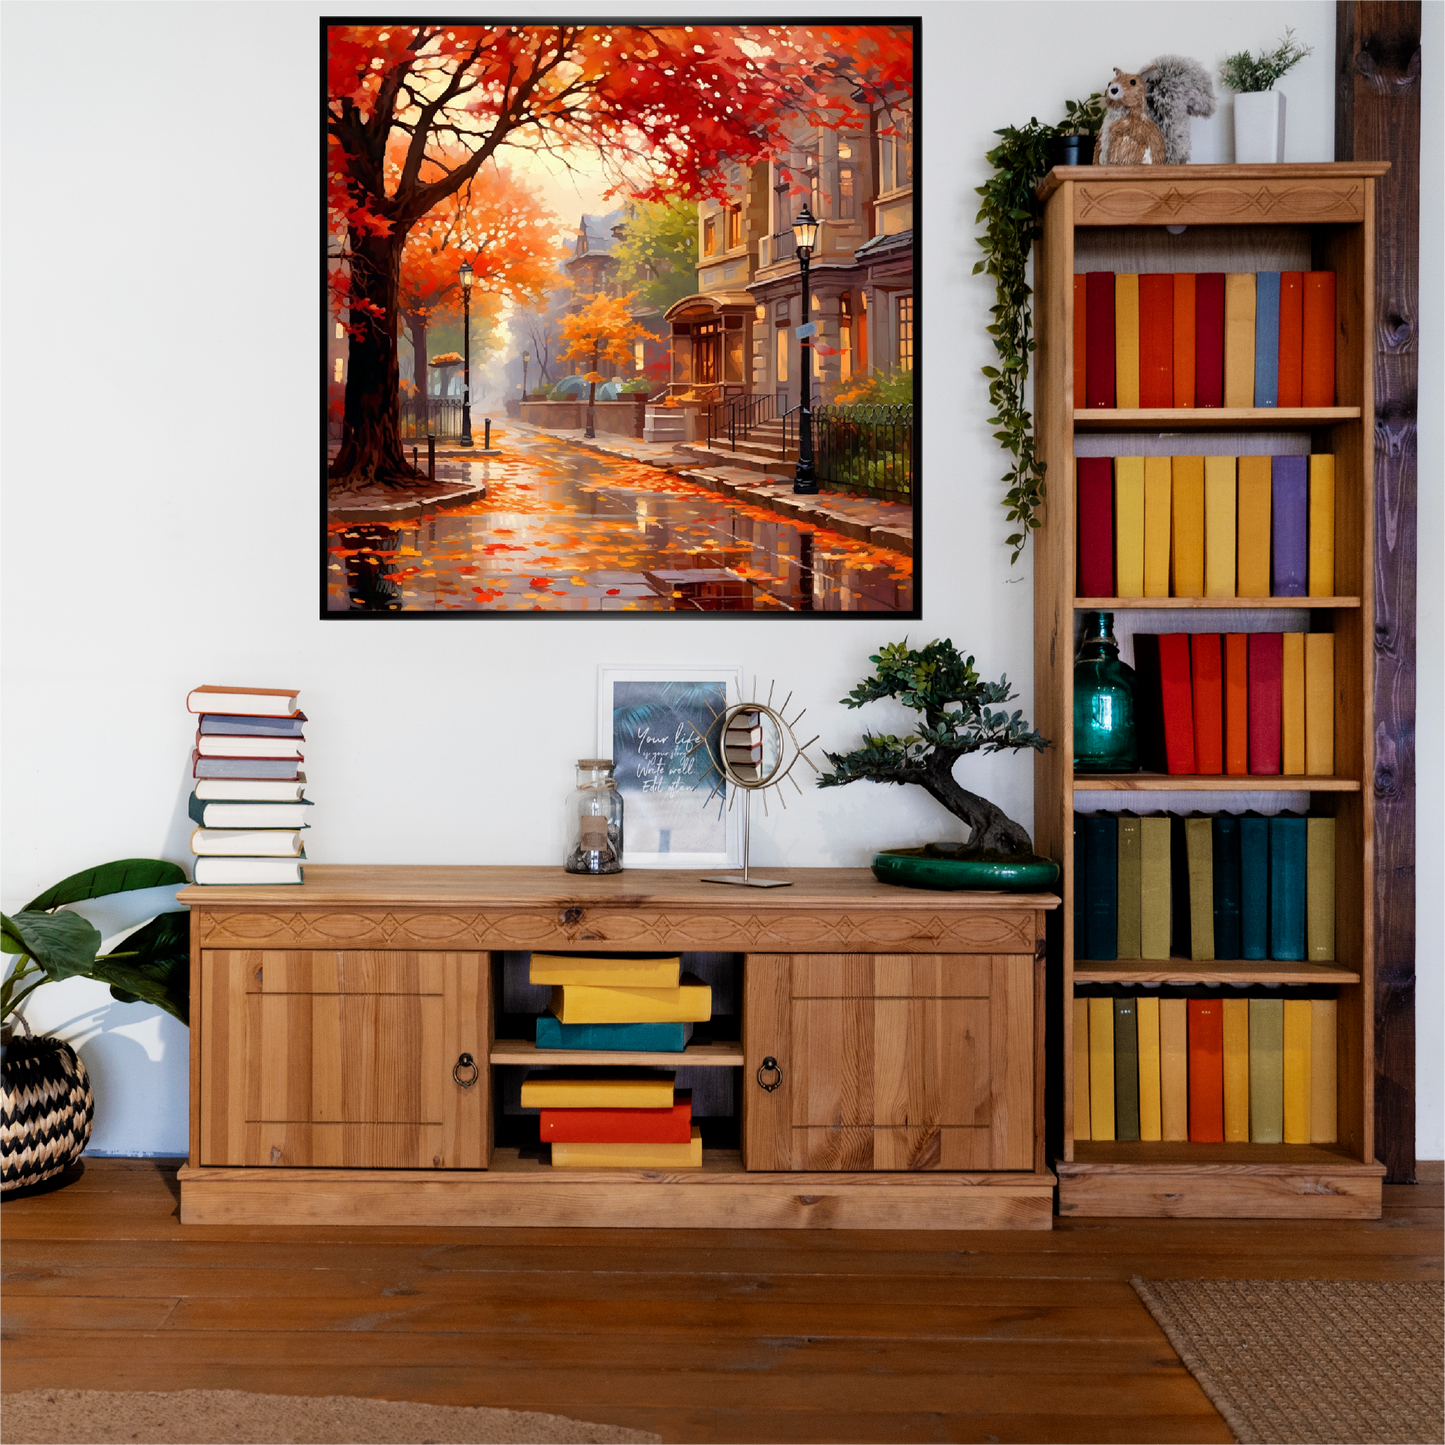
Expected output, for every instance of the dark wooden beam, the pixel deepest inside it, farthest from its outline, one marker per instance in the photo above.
(1377, 117)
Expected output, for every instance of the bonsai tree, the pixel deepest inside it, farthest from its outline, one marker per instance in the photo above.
(941, 684)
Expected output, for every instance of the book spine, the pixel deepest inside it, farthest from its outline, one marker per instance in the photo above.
(1177, 700)
(1288, 863)
(1158, 486)
(1126, 1070)
(1318, 344)
(1236, 1071)
(1253, 887)
(1147, 1012)
(1096, 527)
(1207, 669)
(1219, 526)
(1266, 1070)
(1291, 338)
(1199, 843)
(1081, 332)
(1099, 339)
(1266, 338)
(1266, 665)
(1180, 944)
(1154, 887)
(1128, 527)
(1320, 889)
(1292, 704)
(1101, 1068)
(1254, 532)
(1156, 339)
(1227, 940)
(1206, 1071)
(1209, 339)
(1129, 887)
(1081, 1069)
(1319, 703)
(1323, 1063)
(1289, 526)
(1101, 845)
(1296, 1071)
(1187, 558)
(1149, 703)
(1322, 525)
(1236, 704)
(1081, 889)
(1173, 1069)
(1184, 344)
(1239, 323)
(1126, 339)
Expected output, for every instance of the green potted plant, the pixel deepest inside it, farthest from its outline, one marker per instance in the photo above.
(48, 1107)
(958, 718)
(1258, 106)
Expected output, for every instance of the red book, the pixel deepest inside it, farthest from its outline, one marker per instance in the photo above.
(1291, 338)
(1206, 1071)
(1081, 331)
(1208, 680)
(1096, 527)
(1318, 346)
(1236, 704)
(1176, 702)
(1209, 338)
(1156, 339)
(620, 1126)
(1099, 337)
(1266, 701)
(1184, 358)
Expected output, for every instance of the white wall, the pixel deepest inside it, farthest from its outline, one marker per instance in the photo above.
(162, 219)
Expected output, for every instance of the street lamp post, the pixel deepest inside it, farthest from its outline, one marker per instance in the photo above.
(526, 357)
(805, 233)
(466, 275)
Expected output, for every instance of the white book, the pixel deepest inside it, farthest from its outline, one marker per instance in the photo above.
(220, 745)
(250, 790)
(248, 870)
(249, 701)
(247, 842)
(252, 815)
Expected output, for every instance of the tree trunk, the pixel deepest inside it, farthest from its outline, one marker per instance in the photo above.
(990, 826)
(370, 444)
(592, 399)
(416, 329)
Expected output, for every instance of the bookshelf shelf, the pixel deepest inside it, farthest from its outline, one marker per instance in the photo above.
(1238, 219)
(1213, 970)
(713, 1056)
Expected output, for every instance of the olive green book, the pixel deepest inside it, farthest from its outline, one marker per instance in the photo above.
(1199, 850)
(1129, 886)
(1126, 1069)
(1319, 889)
(1266, 1070)
(1154, 887)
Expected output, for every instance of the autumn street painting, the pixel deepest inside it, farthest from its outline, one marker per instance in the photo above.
(620, 318)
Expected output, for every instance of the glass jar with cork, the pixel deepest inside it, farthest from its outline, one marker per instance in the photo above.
(594, 820)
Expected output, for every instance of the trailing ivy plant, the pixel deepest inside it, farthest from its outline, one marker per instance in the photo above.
(1010, 215)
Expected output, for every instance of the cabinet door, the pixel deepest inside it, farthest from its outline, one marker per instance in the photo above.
(889, 1062)
(345, 1060)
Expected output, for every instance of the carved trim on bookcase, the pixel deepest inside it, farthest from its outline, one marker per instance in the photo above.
(1105, 203)
(884, 931)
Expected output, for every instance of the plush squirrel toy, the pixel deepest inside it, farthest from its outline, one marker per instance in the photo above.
(1129, 137)
(1176, 88)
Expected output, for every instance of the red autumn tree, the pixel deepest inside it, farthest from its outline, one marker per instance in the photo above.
(602, 330)
(665, 105)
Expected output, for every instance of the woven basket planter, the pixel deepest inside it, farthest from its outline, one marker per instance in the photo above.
(48, 1110)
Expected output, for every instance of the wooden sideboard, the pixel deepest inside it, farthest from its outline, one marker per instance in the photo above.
(329, 1025)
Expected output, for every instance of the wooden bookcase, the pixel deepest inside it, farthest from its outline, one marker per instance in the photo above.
(1214, 218)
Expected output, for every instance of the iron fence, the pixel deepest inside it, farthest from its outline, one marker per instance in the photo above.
(439, 415)
(867, 448)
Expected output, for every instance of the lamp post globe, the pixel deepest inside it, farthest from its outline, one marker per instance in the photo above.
(805, 234)
(466, 275)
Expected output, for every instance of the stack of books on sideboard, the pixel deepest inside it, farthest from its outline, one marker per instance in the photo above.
(609, 1117)
(249, 801)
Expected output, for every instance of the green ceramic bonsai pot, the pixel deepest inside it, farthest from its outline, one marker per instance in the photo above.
(936, 866)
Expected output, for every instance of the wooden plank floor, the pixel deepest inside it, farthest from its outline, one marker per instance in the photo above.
(698, 1335)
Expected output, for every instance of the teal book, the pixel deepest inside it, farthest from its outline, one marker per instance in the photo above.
(1253, 886)
(665, 1038)
(1100, 834)
(1227, 943)
(1288, 885)
(1266, 338)
(1126, 1068)
(1081, 890)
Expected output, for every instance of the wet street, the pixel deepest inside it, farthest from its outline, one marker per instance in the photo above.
(566, 529)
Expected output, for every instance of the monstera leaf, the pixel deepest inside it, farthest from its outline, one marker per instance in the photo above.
(63, 944)
(153, 966)
(123, 876)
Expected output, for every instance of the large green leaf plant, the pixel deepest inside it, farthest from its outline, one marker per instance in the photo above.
(152, 965)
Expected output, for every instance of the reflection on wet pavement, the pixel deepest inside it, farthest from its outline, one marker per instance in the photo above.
(564, 529)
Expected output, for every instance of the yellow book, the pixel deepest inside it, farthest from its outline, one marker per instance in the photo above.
(1236, 1071)
(609, 972)
(1320, 890)
(630, 1156)
(1323, 1128)
(1322, 525)
(1157, 510)
(1147, 1016)
(580, 1003)
(1186, 563)
(1219, 543)
(562, 1091)
(1292, 705)
(1174, 1068)
(1081, 1068)
(1320, 703)
(1297, 1071)
(1255, 510)
(1126, 341)
(1239, 325)
(1101, 1068)
(1129, 526)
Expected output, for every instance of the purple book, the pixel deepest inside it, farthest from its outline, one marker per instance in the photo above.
(1289, 526)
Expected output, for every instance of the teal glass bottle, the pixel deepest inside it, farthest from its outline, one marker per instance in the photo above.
(1106, 736)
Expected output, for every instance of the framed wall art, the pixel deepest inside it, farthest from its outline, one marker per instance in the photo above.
(620, 318)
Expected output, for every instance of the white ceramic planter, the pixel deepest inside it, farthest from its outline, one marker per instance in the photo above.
(1259, 128)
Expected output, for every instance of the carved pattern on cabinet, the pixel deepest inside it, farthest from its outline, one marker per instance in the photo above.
(1203, 202)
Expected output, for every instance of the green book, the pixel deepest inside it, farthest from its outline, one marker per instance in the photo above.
(1154, 887)
(1288, 868)
(1126, 1069)
(1253, 886)
(1129, 886)
(1266, 1070)
(1319, 889)
(1199, 853)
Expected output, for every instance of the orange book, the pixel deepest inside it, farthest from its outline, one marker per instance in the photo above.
(1206, 1071)
(1204, 656)
(1236, 704)
(1291, 337)
(1318, 345)
(1081, 310)
(1156, 339)
(1184, 303)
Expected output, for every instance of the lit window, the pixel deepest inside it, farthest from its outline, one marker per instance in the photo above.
(639, 355)
(845, 336)
(339, 370)
(709, 236)
(845, 193)
(340, 332)
(905, 333)
(782, 356)
(735, 227)
(845, 151)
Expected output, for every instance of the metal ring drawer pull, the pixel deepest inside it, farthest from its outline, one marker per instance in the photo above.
(769, 1065)
(466, 1062)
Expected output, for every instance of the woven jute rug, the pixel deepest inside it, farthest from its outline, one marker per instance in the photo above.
(1310, 1360)
(219, 1417)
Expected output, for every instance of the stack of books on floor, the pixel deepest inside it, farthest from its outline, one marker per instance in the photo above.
(617, 1118)
(1221, 886)
(1181, 339)
(1260, 526)
(249, 800)
(1236, 704)
(1211, 1070)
